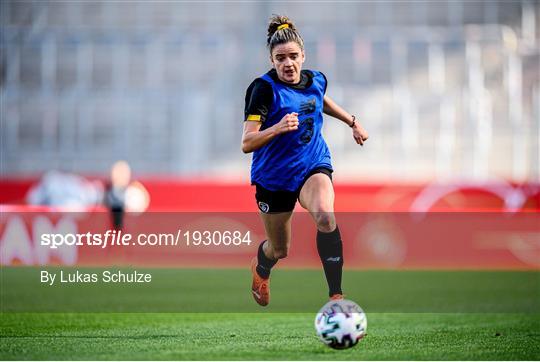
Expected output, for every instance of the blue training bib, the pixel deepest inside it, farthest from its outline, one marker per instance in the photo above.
(283, 163)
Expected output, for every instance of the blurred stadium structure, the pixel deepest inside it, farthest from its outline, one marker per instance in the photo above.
(447, 89)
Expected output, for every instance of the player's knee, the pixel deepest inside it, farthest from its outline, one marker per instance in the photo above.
(326, 221)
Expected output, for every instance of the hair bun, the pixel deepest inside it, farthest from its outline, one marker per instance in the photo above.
(278, 22)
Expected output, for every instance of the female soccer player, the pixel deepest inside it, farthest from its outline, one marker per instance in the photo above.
(283, 122)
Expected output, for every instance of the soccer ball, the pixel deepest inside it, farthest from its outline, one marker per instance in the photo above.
(341, 324)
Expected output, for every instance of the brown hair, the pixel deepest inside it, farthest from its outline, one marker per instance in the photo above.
(278, 34)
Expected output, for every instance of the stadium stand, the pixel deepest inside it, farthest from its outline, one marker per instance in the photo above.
(446, 89)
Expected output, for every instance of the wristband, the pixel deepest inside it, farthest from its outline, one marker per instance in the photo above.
(353, 121)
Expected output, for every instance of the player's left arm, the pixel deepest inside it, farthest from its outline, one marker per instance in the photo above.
(331, 108)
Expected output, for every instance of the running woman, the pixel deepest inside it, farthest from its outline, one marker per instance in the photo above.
(291, 161)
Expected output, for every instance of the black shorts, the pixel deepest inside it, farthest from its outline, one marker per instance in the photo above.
(283, 201)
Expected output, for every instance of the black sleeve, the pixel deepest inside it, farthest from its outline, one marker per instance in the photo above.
(325, 82)
(259, 99)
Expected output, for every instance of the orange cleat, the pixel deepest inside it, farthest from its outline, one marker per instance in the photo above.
(337, 297)
(260, 288)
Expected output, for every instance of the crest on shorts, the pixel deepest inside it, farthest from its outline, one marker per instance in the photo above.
(264, 207)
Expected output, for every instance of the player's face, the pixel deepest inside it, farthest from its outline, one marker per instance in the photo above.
(288, 59)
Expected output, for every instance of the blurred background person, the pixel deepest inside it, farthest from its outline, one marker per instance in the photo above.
(122, 194)
(63, 189)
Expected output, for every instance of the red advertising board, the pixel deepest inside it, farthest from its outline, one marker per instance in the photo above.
(434, 240)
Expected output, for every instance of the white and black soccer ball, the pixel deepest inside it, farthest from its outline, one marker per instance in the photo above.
(341, 324)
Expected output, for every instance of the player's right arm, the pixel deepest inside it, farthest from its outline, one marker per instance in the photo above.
(259, 99)
(253, 138)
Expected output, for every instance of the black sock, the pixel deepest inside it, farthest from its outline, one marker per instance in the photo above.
(330, 250)
(264, 265)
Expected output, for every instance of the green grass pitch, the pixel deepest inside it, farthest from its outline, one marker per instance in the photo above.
(412, 315)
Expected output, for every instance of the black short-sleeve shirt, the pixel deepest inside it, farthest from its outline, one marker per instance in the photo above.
(260, 96)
